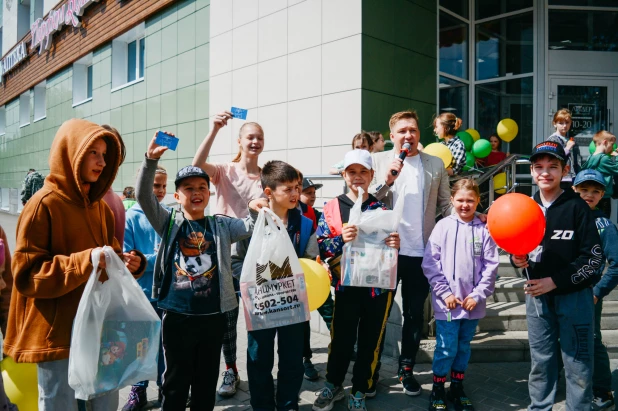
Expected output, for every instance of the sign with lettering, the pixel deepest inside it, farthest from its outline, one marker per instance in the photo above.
(16, 56)
(42, 30)
(583, 116)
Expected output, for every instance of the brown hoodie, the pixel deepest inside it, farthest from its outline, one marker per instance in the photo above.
(5, 295)
(56, 232)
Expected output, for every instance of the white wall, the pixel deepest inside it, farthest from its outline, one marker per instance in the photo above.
(9, 25)
(48, 5)
(296, 66)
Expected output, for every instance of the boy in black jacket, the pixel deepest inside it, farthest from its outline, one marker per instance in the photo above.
(559, 300)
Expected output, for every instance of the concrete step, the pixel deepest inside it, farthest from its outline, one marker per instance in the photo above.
(508, 346)
(508, 289)
(511, 316)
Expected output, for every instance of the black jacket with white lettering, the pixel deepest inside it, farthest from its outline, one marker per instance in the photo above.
(571, 248)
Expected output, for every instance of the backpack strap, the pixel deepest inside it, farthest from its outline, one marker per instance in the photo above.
(169, 229)
(332, 215)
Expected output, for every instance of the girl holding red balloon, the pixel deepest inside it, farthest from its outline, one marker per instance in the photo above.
(553, 236)
(461, 261)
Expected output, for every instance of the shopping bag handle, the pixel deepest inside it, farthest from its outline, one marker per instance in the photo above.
(272, 219)
(109, 255)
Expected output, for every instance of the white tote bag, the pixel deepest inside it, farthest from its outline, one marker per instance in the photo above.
(368, 261)
(272, 282)
(116, 332)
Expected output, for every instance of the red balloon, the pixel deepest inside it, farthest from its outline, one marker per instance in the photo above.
(516, 223)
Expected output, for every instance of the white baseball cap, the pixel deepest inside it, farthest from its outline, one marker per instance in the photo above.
(361, 157)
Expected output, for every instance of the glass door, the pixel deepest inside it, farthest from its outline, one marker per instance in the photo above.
(590, 103)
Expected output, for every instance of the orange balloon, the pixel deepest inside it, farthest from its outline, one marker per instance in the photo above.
(516, 223)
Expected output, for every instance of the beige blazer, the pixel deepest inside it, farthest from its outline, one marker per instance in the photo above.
(436, 189)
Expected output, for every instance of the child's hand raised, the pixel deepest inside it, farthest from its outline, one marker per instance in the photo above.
(392, 240)
(469, 303)
(451, 302)
(258, 203)
(155, 151)
(349, 233)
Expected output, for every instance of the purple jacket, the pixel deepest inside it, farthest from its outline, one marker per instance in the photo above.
(461, 259)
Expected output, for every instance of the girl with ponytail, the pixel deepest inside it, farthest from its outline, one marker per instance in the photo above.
(445, 127)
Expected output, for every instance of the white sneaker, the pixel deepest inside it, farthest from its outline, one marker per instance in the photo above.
(229, 384)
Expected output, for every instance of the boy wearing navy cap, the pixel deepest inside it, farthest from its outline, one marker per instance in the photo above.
(590, 185)
(559, 300)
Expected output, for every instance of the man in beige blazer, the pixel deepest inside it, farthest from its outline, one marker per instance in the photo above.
(422, 182)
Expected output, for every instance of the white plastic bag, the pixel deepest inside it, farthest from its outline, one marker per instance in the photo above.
(368, 261)
(116, 332)
(272, 282)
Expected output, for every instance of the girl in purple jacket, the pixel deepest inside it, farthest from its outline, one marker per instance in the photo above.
(460, 262)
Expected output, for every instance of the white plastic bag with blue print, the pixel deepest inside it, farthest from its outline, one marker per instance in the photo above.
(116, 332)
(272, 282)
(368, 261)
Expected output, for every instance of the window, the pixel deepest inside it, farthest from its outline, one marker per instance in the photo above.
(453, 46)
(39, 101)
(589, 3)
(453, 97)
(504, 47)
(2, 120)
(82, 80)
(23, 18)
(459, 7)
(490, 8)
(24, 109)
(128, 57)
(583, 30)
(37, 12)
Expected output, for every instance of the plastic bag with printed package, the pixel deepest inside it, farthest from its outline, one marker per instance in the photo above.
(368, 261)
(116, 332)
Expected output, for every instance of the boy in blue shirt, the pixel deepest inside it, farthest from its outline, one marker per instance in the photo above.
(192, 281)
(590, 185)
(281, 185)
(559, 300)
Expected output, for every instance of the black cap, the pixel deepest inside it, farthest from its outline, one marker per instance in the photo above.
(190, 171)
(549, 147)
(308, 183)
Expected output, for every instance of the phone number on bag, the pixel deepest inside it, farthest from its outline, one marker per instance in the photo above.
(274, 303)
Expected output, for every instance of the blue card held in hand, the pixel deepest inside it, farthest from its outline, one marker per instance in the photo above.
(239, 113)
(166, 140)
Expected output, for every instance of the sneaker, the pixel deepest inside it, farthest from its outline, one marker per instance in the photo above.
(137, 399)
(371, 392)
(410, 386)
(229, 384)
(459, 398)
(327, 397)
(311, 373)
(602, 401)
(357, 402)
(437, 399)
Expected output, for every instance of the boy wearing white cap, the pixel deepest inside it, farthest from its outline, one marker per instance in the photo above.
(356, 308)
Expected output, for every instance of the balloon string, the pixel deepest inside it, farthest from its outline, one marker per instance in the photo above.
(533, 298)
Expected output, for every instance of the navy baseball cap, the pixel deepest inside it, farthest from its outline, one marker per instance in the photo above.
(190, 171)
(549, 147)
(308, 183)
(589, 175)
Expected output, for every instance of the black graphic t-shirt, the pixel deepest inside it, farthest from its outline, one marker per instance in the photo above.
(191, 282)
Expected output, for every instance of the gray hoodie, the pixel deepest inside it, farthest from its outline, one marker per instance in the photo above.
(228, 230)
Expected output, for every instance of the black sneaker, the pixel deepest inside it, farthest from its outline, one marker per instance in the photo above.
(311, 373)
(372, 392)
(137, 399)
(602, 401)
(410, 386)
(459, 398)
(437, 399)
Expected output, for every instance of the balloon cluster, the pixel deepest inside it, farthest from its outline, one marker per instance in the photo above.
(476, 147)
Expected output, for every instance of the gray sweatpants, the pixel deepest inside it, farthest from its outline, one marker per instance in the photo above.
(566, 323)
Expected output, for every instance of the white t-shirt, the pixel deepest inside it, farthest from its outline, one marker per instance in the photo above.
(411, 226)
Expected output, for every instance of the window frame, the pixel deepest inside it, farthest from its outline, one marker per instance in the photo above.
(24, 101)
(81, 80)
(120, 58)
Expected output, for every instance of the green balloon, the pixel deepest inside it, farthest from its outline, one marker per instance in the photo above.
(593, 147)
(466, 138)
(481, 148)
(469, 161)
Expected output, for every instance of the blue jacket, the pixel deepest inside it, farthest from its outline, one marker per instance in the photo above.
(609, 242)
(139, 235)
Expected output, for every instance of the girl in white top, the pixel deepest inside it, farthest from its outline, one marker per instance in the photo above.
(236, 183)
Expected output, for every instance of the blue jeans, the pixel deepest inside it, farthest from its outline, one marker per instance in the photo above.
(453, 345)
(161, 361)
(564, 324)
(260, 362)
(56, 394)
(602, 377)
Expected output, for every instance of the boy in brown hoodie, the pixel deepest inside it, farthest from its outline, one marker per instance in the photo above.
(56, 233)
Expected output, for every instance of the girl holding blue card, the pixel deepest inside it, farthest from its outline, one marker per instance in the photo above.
(237, 183)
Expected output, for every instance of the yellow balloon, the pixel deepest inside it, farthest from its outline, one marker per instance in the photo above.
(475, 134)
(21, 384)
(318, 282)
(499, 182)
(507, 129)
(441, 151)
